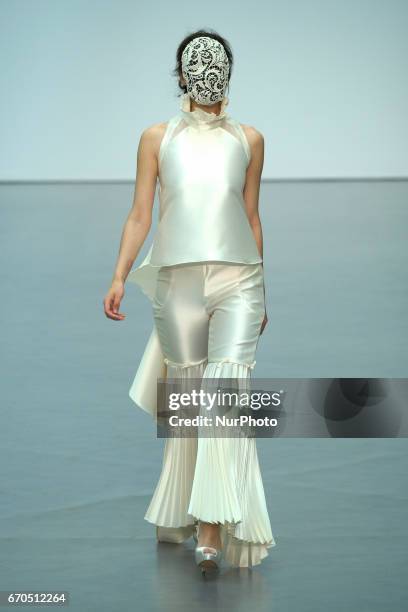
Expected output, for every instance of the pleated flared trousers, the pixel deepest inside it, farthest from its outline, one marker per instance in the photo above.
(208, 318)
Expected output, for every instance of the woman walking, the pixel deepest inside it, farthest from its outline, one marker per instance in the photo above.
(204, 277)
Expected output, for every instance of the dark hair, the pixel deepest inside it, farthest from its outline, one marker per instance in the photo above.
(177, 70)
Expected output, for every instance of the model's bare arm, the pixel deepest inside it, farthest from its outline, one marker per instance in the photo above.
(253, 181)
(252, 188)
(138, 222)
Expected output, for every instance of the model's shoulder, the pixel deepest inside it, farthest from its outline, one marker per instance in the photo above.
(154, 131)
(254, 136)
(152, 136)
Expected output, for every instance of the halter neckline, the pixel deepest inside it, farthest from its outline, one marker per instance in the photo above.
(200, 117)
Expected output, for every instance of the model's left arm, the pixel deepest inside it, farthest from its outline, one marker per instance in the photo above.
(252, 188)
(253, 182)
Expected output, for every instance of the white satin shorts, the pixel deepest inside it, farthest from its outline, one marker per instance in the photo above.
(209, 312)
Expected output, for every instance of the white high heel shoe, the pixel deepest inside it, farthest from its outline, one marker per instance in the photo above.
(208, 558)
(174, 535)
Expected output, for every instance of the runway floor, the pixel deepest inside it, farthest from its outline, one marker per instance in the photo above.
(79, 461)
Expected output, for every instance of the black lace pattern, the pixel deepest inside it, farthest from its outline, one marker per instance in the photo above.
(205, 68)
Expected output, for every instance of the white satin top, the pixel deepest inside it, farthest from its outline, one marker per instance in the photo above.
(202, 161)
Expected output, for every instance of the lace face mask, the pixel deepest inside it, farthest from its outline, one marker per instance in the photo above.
(205, 68)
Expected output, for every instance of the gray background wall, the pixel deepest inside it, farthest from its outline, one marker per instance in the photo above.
(325, 82)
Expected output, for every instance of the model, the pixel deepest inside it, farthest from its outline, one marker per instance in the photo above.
(204, 277)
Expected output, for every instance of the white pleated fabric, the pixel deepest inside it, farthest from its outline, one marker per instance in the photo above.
(216, 480)
(169, 504)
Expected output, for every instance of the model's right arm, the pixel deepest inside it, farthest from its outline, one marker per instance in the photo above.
(138, 222)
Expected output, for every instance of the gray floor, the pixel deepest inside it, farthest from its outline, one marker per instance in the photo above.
(79, 460)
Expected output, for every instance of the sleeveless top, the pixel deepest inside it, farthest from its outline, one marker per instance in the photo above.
(202, 163)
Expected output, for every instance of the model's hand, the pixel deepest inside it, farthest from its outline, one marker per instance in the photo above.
(112, 301)
(264, 322)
